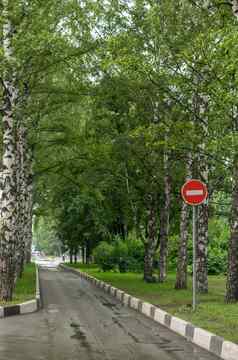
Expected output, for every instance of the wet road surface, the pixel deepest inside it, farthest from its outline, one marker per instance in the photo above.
(80, 321)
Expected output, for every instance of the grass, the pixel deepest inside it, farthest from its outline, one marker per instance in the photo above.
(212, 313)
(25, 287)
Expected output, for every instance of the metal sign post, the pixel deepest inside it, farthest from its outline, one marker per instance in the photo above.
(194, 256)
(194, 192)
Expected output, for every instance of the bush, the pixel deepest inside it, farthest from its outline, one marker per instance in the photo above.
(134, 265)
(126, 255)
(103, 255)
(136, 253)
(217, 248)
(135, 248)
(217, 262)
(120, 254)
(120, 249)
(172, 252)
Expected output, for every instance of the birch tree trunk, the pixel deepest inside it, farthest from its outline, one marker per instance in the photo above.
(8, 208)
(21, 196)
(151, 239)
(232, 272)
(75, 255)
(201, 262)
(203, 174)
(235, 8)
(71, 256)
(133, 206)
(164, 221)
(83, 254)
(29, 204)
(181, 275)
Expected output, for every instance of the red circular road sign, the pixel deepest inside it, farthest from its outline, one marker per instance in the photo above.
(194, 192)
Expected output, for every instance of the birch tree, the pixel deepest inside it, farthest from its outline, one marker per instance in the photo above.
(8, 201)
(34, 48)
(164, 219)
(182, 262)
(232, 272)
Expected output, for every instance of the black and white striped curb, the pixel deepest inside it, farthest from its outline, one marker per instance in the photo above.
(26, 307)
(224, 349)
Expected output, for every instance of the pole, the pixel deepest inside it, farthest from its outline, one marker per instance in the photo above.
(194, 255)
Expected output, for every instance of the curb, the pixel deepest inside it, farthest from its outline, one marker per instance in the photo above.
(215, 344)
(26, 307)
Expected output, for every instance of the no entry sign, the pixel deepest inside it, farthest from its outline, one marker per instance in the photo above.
(194, 192)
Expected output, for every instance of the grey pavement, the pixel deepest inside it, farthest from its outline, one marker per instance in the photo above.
(80, 321)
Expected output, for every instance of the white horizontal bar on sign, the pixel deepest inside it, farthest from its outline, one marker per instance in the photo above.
(194, 192)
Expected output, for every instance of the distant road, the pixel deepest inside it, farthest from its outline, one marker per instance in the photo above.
(81, 322)
(46, 262)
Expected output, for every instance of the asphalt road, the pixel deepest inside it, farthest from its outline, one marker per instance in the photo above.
(79, 321)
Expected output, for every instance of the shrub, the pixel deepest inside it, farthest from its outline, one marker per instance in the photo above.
(136, 253)
(120, 254)
(129, 254)
(135, 248)
(126, 255)
(120, 249)
(217, 261)
(217, 248)
(134, 265)
(172, 252)
(103, 255)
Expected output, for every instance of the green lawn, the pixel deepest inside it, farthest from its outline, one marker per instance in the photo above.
(212, 313)
(25, 287)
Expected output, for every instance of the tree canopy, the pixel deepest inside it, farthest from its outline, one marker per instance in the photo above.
(107, 108)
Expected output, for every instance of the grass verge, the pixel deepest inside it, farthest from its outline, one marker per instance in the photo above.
(25, 287)
(212, 313)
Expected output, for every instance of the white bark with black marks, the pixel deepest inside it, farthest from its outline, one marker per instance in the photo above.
(22, 174)
(232, 271)
(8, 209)
(164, 221)
(181, 275)
(203, 174)
(235, 8)
(29, 203)
(152, 238)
